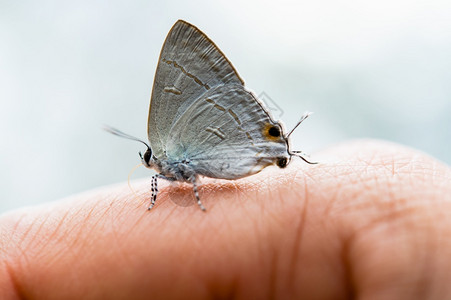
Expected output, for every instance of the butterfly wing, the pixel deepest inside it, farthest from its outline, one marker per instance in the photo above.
(190, 64)
(226, 133)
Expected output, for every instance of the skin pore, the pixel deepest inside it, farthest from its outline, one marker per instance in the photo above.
(371, 221)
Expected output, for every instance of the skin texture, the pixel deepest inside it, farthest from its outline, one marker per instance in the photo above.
(372, 221)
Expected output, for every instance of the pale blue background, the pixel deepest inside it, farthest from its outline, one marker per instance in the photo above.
(379, 69)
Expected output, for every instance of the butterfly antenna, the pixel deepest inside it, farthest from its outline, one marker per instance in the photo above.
(123, 135)
(304, 116)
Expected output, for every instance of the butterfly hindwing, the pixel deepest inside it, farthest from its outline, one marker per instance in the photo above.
(226, 133)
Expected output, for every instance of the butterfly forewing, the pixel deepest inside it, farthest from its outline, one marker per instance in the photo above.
(190, 64)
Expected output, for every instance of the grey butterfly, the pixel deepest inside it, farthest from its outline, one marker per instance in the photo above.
(203, 121)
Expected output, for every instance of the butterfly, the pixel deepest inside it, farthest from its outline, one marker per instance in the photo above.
(203, 121)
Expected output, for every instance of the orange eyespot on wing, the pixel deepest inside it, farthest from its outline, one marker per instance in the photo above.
(271, 132)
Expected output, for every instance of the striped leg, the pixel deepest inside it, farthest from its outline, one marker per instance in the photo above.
(154, 190)
(196, 193)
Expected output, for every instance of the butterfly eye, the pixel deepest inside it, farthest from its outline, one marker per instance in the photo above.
(147, 156)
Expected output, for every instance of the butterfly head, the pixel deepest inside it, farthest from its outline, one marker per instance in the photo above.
(146, 159)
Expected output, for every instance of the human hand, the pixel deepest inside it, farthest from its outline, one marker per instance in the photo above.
(372, 221)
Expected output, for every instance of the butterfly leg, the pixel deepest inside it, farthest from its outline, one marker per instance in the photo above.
(196, 193)
(154, 190)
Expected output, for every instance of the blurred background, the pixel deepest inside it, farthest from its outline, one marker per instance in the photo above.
(368, 69)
